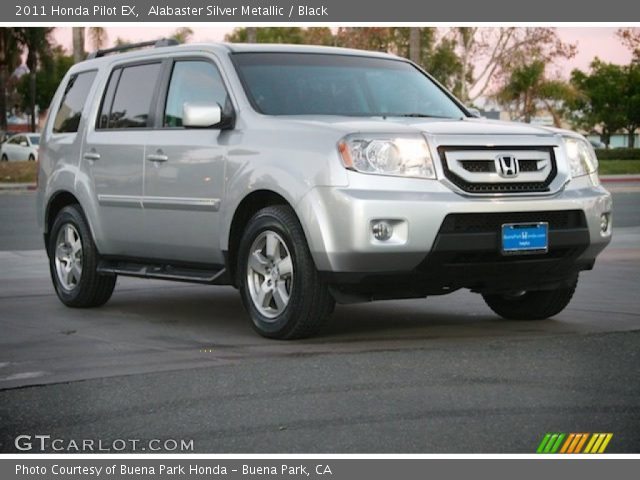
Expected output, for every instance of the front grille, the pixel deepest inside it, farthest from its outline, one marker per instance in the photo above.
(492, 222)
(528, 165)
(477, 166)
(482, 165)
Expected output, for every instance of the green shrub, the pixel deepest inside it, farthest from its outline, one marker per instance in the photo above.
(618, 153)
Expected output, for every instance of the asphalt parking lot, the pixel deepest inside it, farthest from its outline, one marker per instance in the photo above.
(179, 361)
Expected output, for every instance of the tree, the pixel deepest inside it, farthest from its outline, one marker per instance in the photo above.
(486, 54)
(380, 39)
(632, 96)
(268, 35)
(48, 77)
(631, 39)
(527, 89)
(601, 101)
(252, 35)
(10, 50)
(98, 37)
(121, 42)
(414, 44)
(445, 65)
(400, 43)
(182, 35)
(38, 44)
(318, 36)
(78, 44)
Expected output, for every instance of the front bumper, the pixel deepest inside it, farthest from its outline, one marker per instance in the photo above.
(337, 222)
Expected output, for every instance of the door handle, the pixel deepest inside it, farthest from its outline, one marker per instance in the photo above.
(91, 156)
(157, 157)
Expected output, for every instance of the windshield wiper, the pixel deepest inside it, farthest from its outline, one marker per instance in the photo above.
(415, 115)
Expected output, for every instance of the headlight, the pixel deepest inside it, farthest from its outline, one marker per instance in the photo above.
(582, 158)
(397, 155)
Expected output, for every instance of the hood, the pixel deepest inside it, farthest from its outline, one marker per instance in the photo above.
(435, 126)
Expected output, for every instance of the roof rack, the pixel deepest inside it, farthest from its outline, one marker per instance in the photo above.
(163, 42)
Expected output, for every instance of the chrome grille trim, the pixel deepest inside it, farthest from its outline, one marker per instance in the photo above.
(474, 169)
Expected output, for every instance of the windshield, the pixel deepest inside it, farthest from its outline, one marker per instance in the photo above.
(35, 139)
(320, 84)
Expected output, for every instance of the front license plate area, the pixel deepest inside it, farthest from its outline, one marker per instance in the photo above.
(525, 238)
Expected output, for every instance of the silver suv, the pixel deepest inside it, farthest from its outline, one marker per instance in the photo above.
(305, 176)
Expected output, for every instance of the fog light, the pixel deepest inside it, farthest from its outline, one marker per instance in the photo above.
(604, 222)
(382, 231)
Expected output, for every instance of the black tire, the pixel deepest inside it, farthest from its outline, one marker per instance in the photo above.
(32, 158)
(310, 303)
(5, 158)
(534, 305)
(93, 289)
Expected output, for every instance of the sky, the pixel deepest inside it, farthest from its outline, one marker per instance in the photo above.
(591, 41)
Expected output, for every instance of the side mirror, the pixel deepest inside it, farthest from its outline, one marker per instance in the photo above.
(201, 115)
(474, 112)
(24, 144)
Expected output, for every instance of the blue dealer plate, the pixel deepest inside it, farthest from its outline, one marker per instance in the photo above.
(518, 238)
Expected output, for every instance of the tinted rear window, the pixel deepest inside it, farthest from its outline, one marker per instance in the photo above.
(130, 106)
(70, 111)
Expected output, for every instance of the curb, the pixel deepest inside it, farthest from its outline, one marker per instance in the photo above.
(619, 178)
(17, 187)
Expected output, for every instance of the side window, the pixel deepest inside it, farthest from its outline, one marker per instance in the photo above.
(193, 81)
(131, 102)
(68, 115)
(14, 141)
(107, 101)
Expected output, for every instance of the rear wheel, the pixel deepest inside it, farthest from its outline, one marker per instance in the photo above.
(534, 305)
(32, 158)
(73, 262)
(278, 281)
(5, 158)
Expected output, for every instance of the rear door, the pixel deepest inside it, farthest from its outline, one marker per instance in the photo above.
(114, 155)
(185, 167)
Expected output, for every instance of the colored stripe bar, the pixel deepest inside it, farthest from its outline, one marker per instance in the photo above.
(596, 446)
(607, 439)
(567, 443)
(576, 439)
(555, 448)
(543, 443)
(551, 443)
(594, 437)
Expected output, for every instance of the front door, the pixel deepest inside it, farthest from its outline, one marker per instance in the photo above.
(185, 169)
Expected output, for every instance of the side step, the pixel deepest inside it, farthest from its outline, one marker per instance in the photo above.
(161, 271)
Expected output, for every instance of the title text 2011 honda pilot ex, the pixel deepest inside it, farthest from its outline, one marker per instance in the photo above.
(306, 176)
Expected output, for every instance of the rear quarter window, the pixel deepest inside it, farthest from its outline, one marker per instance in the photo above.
(75, 95)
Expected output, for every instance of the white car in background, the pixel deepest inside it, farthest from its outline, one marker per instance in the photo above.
(23, 146)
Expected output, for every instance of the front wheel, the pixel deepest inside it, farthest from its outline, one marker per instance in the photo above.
(534, 305)
(73, 261)
(32, 158)
(5, 158)
(278, 281)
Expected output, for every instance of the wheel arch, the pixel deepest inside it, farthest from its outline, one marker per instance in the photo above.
(248, 207)
(58, 201)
